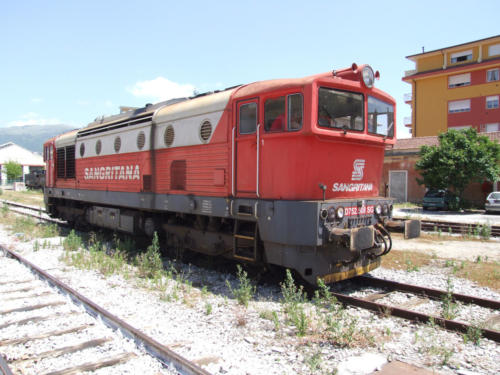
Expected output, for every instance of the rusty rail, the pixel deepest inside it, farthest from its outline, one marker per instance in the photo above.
(416, 316)
(153, 347)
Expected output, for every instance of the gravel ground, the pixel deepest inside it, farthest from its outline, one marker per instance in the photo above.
(209, 327)
(63, 316)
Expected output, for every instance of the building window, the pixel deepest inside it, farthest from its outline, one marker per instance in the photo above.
(459, 80)
(463, 127)
(494, 50)
(489, 128)
(491, 102)
(459, 106)
(461, 56)
(492, 75)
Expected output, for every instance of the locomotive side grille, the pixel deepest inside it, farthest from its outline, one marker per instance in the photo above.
(116, 125)
(141, 140)
(205, 131)
(168, 137)
(358, 222)
(178, 175)
(60, 162)
(70, 162)
(65, 162)
(118, 144)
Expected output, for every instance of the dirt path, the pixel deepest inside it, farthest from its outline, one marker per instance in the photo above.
(447, 247)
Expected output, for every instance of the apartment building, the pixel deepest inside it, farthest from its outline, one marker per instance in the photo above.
(455, 87)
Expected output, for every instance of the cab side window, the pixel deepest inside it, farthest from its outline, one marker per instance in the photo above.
(248, 118)
(274, 114)
(295, 112)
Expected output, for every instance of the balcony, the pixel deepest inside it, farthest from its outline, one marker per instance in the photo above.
(408, 97)
(407, 122)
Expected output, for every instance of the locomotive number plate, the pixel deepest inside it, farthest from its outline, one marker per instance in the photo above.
(354, 211)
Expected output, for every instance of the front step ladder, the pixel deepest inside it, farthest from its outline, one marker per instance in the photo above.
(245, 240)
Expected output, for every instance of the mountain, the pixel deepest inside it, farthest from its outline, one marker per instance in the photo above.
(31, 137)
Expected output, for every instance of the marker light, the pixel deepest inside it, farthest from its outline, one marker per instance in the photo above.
(340, 212)
(368, 76)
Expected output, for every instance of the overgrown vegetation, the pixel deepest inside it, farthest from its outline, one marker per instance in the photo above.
(29, 197)
(245, 291)
(448, 306)
(438, 351)
(149, 264)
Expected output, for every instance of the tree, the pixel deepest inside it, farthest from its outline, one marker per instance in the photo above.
(462, 157)
(13, 169)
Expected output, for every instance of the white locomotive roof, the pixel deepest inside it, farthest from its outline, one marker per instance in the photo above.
(201, 105)
(66, 139)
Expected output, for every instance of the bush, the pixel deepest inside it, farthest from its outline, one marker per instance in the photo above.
(149, 263)
(245, 291)
(72, 242)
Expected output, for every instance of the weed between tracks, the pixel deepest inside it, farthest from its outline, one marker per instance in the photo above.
(27, 228)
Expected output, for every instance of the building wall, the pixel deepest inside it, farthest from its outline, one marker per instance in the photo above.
(431, 107)
(431, 94)
(474, 193)
(415, 192)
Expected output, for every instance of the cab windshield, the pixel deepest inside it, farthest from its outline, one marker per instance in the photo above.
(340, 109)
(380, 117)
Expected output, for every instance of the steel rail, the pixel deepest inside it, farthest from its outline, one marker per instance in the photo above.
(15, 204)
(38, 215)
(153, 347)
(458, 228)
(450, 325)
(428, 292)
(4, 367)
(384, 309)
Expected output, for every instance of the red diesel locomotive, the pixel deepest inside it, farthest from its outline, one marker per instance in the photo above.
(283, 172)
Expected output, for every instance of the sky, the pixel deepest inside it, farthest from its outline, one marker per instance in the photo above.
(68, 62)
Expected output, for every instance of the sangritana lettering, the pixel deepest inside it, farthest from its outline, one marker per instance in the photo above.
(337, 186)
(117, 172)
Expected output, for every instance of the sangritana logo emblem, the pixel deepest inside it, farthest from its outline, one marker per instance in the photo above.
(358, 168)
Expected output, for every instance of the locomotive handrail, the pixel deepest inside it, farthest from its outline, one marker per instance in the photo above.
(233, 161)
(258, 158)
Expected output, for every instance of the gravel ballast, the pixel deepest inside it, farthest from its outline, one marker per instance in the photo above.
(208, 326)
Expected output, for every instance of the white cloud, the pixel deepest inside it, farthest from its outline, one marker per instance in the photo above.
(32, 118)
(160, 89)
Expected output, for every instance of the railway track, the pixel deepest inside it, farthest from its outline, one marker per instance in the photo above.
(388, 286)
(38, 308)
(456, 228)
(370, 304)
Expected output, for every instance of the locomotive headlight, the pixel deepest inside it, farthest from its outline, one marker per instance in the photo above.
(368, 76)
(378, 209)
(339, 212)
